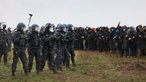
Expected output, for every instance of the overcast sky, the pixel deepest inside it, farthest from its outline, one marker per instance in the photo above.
(77, 12)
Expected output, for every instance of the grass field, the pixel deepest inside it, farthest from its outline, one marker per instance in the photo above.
(92, 66)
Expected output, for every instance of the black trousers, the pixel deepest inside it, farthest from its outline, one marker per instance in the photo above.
(34, 53)
(48, 54)
(72, 53)
(4, 52)
(19, 54)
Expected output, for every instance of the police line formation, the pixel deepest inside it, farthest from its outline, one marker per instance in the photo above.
(56, 44)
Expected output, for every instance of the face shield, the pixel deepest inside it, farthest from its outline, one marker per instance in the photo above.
(51, 29)
(73, 28)
(21, 27)
(36, 29)
(64, 29)
(24, 29)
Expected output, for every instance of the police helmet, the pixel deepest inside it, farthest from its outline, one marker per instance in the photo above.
(61, 27)
(49, 27)
(70, 27)
(21, 26)
(3, 25)
(35, 28)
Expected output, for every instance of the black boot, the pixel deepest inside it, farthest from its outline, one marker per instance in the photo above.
(13, 74)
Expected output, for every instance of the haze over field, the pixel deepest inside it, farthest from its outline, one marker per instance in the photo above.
(78, 12)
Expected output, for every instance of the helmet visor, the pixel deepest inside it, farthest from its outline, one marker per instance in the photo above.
(51, 29)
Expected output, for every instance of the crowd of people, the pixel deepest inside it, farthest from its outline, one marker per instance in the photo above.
(126, 40)
(50, 43)
(56, 44)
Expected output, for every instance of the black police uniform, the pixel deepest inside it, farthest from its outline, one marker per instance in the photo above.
(34, 42)
(20, 41)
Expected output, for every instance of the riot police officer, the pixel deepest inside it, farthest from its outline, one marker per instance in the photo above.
(34, 42)
(48, 51)
(66, 54)
(4, 43)
(60, 44)
(20, 41)
(70, 36)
